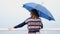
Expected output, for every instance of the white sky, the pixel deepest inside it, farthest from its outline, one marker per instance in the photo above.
(12, 13)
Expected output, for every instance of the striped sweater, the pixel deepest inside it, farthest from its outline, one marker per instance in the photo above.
(32, 24)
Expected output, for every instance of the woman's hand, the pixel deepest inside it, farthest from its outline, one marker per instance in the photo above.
(11, 28)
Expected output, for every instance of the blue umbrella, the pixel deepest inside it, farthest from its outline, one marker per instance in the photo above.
(42, 11)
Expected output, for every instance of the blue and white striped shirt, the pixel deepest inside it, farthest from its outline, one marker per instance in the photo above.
(32, 23)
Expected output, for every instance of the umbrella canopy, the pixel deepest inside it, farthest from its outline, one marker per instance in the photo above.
(42, 11)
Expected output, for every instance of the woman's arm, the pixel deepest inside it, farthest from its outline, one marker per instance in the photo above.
(20, 25)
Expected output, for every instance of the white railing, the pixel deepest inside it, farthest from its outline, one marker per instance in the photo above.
(46, 30)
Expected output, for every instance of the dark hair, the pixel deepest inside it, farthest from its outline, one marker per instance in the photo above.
(34, 12)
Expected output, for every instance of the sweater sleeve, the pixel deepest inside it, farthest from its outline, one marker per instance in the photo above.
(20, 25)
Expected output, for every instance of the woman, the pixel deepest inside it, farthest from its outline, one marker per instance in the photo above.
(34, 23)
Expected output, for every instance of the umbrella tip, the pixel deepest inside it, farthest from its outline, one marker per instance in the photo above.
(51, 19)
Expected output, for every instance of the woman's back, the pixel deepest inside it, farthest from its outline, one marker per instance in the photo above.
(34, 23)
